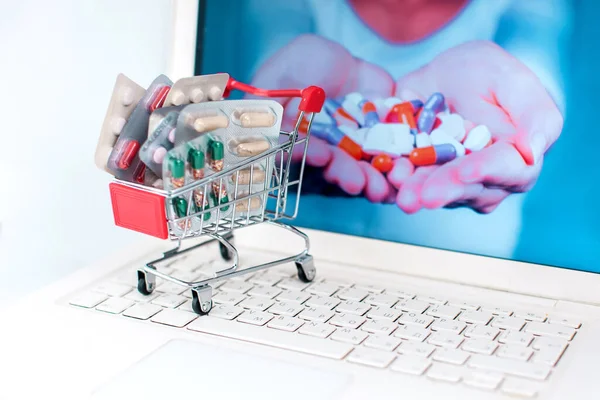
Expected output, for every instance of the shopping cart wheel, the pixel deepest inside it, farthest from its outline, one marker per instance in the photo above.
(225, 252)
(146, 282)
(202, 300)
(306, 268)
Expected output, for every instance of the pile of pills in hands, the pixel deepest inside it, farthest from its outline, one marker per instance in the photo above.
(385, 129)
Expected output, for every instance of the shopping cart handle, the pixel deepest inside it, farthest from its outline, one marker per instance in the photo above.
(312, 97)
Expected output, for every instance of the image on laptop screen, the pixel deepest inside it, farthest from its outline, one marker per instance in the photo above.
(475, 119)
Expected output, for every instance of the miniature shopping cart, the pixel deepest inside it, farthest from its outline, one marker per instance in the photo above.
(148, 210)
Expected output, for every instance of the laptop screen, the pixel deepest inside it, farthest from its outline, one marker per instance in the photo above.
(461, 125)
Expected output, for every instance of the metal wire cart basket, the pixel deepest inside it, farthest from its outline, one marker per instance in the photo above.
(150, 211)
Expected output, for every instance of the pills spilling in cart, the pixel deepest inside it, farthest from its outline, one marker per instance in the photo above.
(384, 129)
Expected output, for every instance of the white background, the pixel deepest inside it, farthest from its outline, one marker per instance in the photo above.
(58, 63)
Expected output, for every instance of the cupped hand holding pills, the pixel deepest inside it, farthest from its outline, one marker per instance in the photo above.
(481, 88)
(485, 85)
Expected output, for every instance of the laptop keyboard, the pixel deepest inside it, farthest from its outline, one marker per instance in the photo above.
(487, 347)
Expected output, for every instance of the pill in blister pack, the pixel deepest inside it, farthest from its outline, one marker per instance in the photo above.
(125, 97)
(124, 159)
(160, 141)
(197, 89)
(194, 121)
(260, 117)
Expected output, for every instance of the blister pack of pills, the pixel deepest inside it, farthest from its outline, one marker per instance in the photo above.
(126, 95)
(197, 89)
(124, 160)
(160, 141)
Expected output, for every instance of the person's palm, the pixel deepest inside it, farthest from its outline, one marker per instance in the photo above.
(485, 85)
(314, 60)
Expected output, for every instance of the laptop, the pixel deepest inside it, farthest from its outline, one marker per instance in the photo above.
(440, 304)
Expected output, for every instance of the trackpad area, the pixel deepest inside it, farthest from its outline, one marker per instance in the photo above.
(182, 368)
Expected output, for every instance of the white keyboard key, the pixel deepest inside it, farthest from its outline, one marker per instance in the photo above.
(570, 322)
(482, 331)
(483, 379)
(386, 313)
(272, 337)
(510, 367)
(322, 301)
(316, 314)
(410, 332)
(464, 306)
(225, 311)
(285, 323)
(232, 286)
(382, 342)
(142, 311)
(322, 289)
(413, 365)
(506, 322)
(292, 284)
(558, 331)
(169, 300)
(369, 288)
(443, 311)
(317, 329)
(128, 277)
(515, 351)
(476, 317)
(416, 306)
(287, 308)
(384, 300)
(432, 300)
(255, 317)
(445, 339)
(520, 387)
(497, 310)
(293, 295)
(415, 319)
(481, 346)
(187, 306)
(515, 337)
(176, 318)
(264, 291)
(229, 298)
(349, 335)
(265, 279)
(379, 326)
(548, 356)
(88, 299)
(416, 349)
(115, 305)
(400, 294)
(544, 342)
(112, 289)
(338, 283)
(347, 320)
(186, 276)
(531, 316)
(370, 357)
(136, 296)
(451, 356)
(172, 288)
(448, 325)
(257, 303)
(353, 307)
(446, 373)
(352, 294)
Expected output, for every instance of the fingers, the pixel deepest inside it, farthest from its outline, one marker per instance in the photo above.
(533, 111)
(442, 187)
(408, 198)
(377, 187)
(488, 200)
(401, 171)
(499, 165)
(344, 171)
